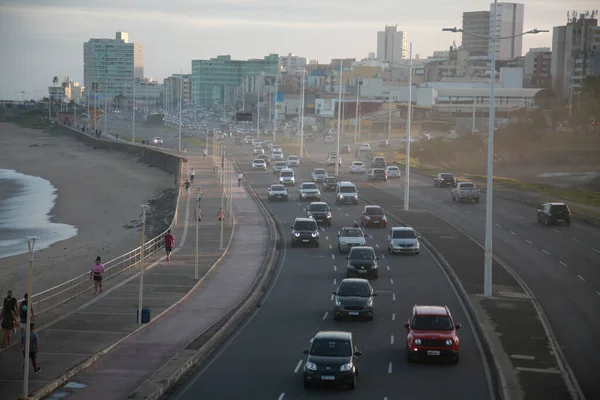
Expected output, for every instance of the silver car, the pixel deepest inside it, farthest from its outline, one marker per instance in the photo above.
(259, 164)
(319, 174)
(278, 166)
(349, 237)
(293, 161)
(403, 239)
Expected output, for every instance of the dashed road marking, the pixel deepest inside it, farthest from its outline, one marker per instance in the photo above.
(581, 277)
(440, 201)
(390, 368)
(563, 264)
(545, 251)
(391, 339)
(416, 191)
(339, 209)
(333, 256)
(577, 240)
(300, 204)
(298, 367)
(282, 395)
(347, 215)
(529, 241)
(543, 371)
(383, 256)
(370, 237)
(388, 267)
(520, 216)
(428, 195)
(598, 293)
(376, 245)
(394, 314)
(391, 281)
(393, 296)
(334, 268)
(326, 237)
(330, 246)
(498, 225)
(481, 218)
(468, 212)
(556, 230)
(332, 297)
(325, 315)
(521, 357)
(596, 250)
(334, 281)
(453, 206)
(503, 210)
(513, 233)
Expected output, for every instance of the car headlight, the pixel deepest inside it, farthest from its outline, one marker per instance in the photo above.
(315, 234)
(318, 193)
(346, 367)
(367, 217)
(337, 302)
(310, 366)
(449, 342)
(328, 215)
(417, 342)
(296, 234)
(370, 302)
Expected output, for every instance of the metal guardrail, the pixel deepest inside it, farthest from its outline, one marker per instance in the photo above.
(58, 295)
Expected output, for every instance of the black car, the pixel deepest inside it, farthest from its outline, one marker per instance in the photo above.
(444, 179)
(330, 184)
(333, 358)
(305, 231)
(362, 262)
(265, 157)
(354, 298)
(378, 162)
(377, 174)
(320, 212)
(554, 213)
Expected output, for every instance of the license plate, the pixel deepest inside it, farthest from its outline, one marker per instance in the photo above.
(328, 378)
(375, 222)
(305, 241)
(559, 220)
(353, 313)
(433, 353)
(362, 271)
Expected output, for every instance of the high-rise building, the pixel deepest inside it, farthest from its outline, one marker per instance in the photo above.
(575, 52)
(172, 90)
(110, 67)
(291, 63)
(476, 23)
(537, 68)
(215, 81)
(392, 45)
(509, 22)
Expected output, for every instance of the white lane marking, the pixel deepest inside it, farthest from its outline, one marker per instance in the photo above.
(498, 225)
(334, 281)
(581, 277)
(347, 215)
(577, 240)
(440, 201)
(598, 293)
(325, 315)
(390, 368)
(416, 191)
(339, 209)
(376, 245)
(453, 206)
(334, 268)
(388, 267)
(468, 212)
(326, 237)
(521, 357)
(394, 314)
(428, 195)
(370, 237)
(513, 233)
(544, 371)
(332, 296)
(481, 218)
(385, 398)
(391, 281)
(529, 241)
(300, 204)
(503, 210)
(520, 216)
(392, 339)
(330, 247)
(556, 230)
(333, 256)
(393, 296)
(545, 251)
(297, 367)
(383, 256)
(564, 265)
(596, 250)
(282, 395)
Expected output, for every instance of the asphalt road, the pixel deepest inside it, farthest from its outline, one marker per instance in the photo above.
(264, 359)
(560, 264)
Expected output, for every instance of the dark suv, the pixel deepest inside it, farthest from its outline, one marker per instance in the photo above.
(320, 212)
(354, 298)
(305, 231)
(332, 358)
(377, 174)
(362, 262)
(378, 162)
(330, 184)
(444, 179)
(554, 213)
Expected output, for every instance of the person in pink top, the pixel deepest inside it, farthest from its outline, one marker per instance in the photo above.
(221, 216)
(97, 273)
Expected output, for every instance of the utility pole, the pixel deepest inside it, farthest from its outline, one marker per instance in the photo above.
(339, 133)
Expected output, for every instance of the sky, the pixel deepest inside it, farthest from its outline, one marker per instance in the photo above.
(40, 39)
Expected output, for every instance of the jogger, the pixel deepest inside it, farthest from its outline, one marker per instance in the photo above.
(97, 273)
(169, 244)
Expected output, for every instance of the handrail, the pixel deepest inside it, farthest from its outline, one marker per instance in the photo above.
(66, 291)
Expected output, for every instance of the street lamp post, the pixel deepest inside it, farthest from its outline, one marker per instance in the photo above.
(302, 117)
(180, 106)
(487, 280)
(141, 290)
(357, 119)
(339, 133)
(198, 198)
(275, 101)
(221, 223)
(408, 125)
(133, 117)
(31, 246)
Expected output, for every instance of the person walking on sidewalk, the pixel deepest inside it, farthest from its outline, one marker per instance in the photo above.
(187, 185)
(33, 348)
(97, 273)
(199, 214)
(169, 244)
(221, 216)
(24, 307)
(192, 175)
(8, 319)
(240, 176)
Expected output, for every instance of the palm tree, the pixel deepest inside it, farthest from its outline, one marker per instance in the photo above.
(54, 83)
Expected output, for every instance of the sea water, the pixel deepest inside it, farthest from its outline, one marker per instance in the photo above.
(25, 205)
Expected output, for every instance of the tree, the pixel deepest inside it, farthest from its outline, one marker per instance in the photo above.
(590, 92)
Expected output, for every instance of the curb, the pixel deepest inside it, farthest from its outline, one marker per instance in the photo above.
(48, 389)
(154, 389)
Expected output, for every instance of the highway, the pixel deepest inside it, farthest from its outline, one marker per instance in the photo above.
(560, 264)
(264, 359)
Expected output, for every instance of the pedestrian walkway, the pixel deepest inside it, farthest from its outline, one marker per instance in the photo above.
(136, 359)
(74, 335)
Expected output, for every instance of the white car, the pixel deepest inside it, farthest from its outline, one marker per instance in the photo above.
(328, 140)
(293, 161)
(259, 164)
(277, 155)
(393, 172)
(277, 148)
(331, 161)
(278, 192)
(257, 142)
(248, 139)
(258, 150)
(358, 167)
(365, 147)
(156, 140)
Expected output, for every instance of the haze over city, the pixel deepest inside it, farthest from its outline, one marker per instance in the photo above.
(45, 39)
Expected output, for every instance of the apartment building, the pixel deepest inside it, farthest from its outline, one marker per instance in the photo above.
(392, 44)
(291, 63)
(67, 90)
(509, 22)
(476, 23)
(537, 69)
(173, 87)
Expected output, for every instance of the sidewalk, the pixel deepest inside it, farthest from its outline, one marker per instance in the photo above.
(74, 335)
(177, 334)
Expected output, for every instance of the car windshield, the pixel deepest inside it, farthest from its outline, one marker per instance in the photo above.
(403, 234)
(378, 172)
(318, 207)
(259, 161)
(330, 348)
(280, 164)
(286, 174)
(319, 172)
(362, 254)
(358, 289)
(347, 189)
(392, 168)
(357, 163)
(558, 208)
(330, 180)
(447, 176)
(379, 159)
(293, 158)
(305, 226)
(467, 186)
(352, 232)
(278, 188)
(432, 323)
(309, 186)
(374, 211)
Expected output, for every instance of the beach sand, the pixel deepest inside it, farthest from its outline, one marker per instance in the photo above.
(99, 192)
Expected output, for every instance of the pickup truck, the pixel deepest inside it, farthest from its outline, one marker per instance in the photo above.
(465, 191)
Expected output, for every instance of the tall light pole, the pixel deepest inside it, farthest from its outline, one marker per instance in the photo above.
(339, 133)
(222, 208)
(489, 198)
(275, 101)
(198, 198)
(258, 115)
(31, 245)
(390, 104)
(133, 118)
(302, 117)
(180, 106)
(408, 124)
(141, 290)
(357, 119)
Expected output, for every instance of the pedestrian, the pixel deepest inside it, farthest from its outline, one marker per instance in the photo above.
(97, 273)
(199, 214)
(187, 185)
(192, 175)
(33, 348)
(24, 307)
(221, 216)
(7, 322)
(169, 244)
(12, 305)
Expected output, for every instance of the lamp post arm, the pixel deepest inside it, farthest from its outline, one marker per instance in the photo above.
(530, 32)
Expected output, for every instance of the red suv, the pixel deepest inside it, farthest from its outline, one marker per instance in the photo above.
(431, 333)
(373, 216)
